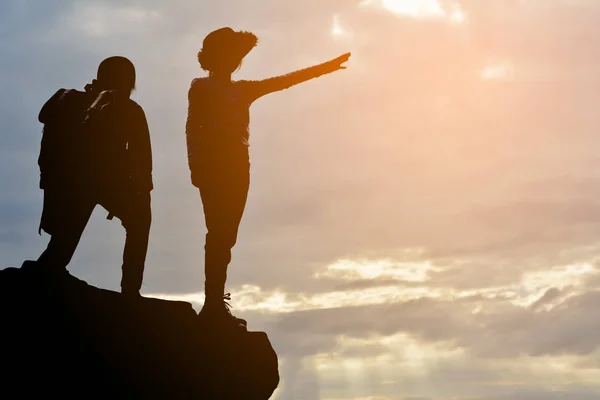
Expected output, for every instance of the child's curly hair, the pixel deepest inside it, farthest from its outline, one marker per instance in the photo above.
(224, 49)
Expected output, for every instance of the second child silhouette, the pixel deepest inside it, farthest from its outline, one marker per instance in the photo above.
(96, 150)
(217, 144)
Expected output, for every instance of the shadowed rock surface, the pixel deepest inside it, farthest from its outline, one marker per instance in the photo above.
(61, 336)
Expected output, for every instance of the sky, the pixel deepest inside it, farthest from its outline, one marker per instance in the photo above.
(423, 225)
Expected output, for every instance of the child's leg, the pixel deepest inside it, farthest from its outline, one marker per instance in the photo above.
(224, 199)
(134, 211)
(71, 212)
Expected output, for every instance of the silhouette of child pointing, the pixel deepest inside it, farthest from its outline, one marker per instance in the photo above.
(217, 143)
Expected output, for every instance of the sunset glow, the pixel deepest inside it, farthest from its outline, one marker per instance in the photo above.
(415, 8)
(422, 224)
(337, 29)
(377, 269)
(497, 71)
(422, 9)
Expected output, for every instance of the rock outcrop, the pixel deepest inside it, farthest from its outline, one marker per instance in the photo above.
(60, 336)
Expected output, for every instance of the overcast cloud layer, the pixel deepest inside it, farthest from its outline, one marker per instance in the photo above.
(424, 225)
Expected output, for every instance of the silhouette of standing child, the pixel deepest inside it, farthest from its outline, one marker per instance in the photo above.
(217, 143)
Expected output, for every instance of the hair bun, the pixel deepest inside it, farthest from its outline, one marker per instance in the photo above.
(203, 60)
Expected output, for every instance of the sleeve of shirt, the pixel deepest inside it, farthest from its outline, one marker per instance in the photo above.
(257, 89)
(193, 123)
(140, 150)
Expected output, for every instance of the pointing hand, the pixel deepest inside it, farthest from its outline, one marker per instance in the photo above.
(336, 63)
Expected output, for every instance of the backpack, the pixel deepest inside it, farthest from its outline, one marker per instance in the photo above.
(104, 141)
(61, 148)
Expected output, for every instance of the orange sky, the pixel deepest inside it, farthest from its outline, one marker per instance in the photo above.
(421, 225)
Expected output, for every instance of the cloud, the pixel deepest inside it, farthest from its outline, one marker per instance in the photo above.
(404, 207)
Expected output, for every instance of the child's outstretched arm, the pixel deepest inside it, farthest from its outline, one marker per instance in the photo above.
(270, 85)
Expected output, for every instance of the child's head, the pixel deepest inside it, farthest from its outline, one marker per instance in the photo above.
(223, 50)
(117, 73)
